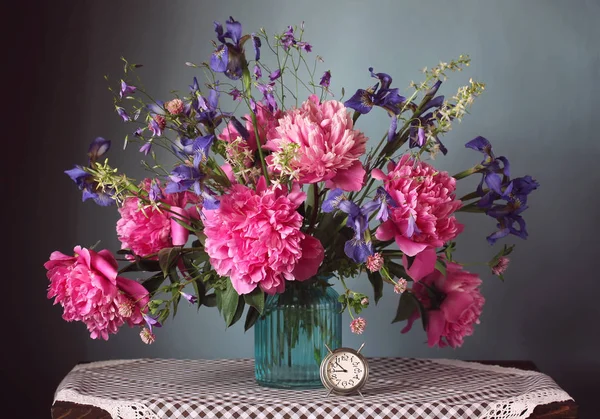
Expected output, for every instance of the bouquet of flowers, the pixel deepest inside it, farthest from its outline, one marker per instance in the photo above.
(287, 191)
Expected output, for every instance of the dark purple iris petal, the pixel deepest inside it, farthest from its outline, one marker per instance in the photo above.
(98, 148)
(334, 197)
(220, 59)
(385, 201)
(201, 148)
(433, 89)
(361, 102)
(182, 178)
(358, 250)
(234, 31)
(240, 128)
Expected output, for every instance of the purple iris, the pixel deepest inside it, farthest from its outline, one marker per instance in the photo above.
(182, 178)
(235, 94)
(491, 167)
(207, 108)
(380, 95)
(229, 58)
(359, 246)
(385, 201)
(257, 44)
(332, 202)
(155, 194)
(98, 148)
(496, 175)
(126, 89)
(85, 182)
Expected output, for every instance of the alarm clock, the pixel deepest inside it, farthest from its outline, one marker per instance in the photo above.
(344, 371)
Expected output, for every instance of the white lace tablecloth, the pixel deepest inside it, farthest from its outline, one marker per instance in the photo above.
(397, 387)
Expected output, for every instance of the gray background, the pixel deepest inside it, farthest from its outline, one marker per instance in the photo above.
(540, 60)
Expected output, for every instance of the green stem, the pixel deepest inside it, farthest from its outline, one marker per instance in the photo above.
(467, 172)
(247, 82)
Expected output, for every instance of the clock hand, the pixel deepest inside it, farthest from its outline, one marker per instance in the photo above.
(340, 366)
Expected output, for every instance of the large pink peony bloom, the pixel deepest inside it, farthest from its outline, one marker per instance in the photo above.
(88, 288)
(265, 121)
(148, 230)
(254, 237)
(423, 218)
(460, 308)
(328, 145)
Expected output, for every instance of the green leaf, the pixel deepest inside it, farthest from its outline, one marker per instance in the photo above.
(176, 297)
(397, 270)
(229, 303)
(238, 312)
(256, 299)
(167, 257)
(251, 318)
(440, 265)
(153, 283)
(210, 300)
(377, 282)
(142, 265)
(406, 306)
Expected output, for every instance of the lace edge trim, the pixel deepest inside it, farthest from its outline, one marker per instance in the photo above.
(115, 408)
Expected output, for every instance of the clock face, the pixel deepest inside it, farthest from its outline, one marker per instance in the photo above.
(345, 371)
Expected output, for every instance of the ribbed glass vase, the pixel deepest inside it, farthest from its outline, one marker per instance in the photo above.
(290, 337)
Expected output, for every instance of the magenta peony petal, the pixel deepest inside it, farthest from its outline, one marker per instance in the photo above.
(312, 256)
(96, 262)
(414, 316)
(423, 264)
(378, 174)
(350, 179)
(386, 231)
(242, 287)
(409, 247)
(179, 234)
(109, 257)
(455, 304)
(435, 327)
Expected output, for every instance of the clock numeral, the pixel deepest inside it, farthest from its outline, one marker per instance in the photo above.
(356, 377)
(351, 382)
(345, 383)
(357, 370)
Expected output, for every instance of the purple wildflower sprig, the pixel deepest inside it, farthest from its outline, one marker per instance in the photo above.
(289, 47)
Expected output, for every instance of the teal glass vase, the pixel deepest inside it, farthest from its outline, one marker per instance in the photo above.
(290, 337)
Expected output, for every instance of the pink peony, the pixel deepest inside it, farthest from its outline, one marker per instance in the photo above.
(459, 310)
(146, 230)
(89, 290)
(423, 218)
(255, 239)
(266, 121)
(329, 147)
